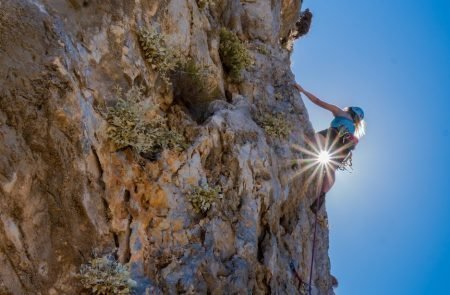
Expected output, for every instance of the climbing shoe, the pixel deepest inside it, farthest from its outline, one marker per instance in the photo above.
(318, 203)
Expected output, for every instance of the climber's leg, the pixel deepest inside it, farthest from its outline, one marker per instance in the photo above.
(328, 180)
(321, 139)
(329, 173)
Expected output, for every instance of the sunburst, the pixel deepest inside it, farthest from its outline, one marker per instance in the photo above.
(319, 156)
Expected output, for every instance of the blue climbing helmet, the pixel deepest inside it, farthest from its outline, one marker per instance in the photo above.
(357, 111)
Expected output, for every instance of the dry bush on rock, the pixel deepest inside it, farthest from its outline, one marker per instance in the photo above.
(105, 276)
(202, 197)
(160, 58)
(275, 125)
(141, 125)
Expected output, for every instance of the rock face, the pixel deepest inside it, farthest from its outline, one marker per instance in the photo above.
(66, 192)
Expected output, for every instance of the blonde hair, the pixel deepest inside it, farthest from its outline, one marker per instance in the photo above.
(360, 125)
(360, 128)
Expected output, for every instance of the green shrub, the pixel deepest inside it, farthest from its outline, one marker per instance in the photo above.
(104, 276)
(275, 125)
(233, 53)
(202, 197)
(133, 123)
(161, 58)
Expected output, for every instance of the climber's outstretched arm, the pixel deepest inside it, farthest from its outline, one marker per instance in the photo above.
(330, 107)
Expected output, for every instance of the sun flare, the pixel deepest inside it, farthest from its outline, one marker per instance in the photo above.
(318, 158)
(324, 157)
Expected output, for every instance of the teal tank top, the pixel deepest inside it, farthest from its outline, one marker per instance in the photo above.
(339, 122)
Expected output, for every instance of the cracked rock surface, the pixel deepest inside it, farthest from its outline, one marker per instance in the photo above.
(66, 193)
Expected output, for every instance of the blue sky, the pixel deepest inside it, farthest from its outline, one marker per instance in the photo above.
(390, 218)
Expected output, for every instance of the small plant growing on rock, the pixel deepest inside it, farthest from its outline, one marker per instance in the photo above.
(105, 276)
(275, 125)
(202, 197)
(139, 125)
(161, 58)
(203, 3)
(263, 50)
(234, 54)
(278, 96)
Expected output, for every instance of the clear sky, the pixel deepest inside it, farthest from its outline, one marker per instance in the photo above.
(389, 219)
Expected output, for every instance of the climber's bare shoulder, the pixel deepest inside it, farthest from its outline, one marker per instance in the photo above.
(335, 110)
(341, 113)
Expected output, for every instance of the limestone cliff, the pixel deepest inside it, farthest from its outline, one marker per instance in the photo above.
(67, 191)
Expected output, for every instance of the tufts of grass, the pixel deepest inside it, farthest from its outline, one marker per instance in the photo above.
(105, 276)
(162, 59)
(140, 125)
(234, 54)
(275, 125)
(202, 197)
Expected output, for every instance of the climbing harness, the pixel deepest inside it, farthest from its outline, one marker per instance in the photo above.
(351, 141)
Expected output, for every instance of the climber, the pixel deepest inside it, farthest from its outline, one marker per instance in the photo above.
(339, 140)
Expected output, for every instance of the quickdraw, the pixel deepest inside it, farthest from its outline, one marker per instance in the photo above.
(351, 141)
(347, 163)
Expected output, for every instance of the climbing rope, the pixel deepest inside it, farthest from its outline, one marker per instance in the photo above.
(302, 283)
(318, 205)
(313, 249)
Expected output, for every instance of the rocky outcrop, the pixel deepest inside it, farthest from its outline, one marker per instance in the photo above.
(66, 192)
